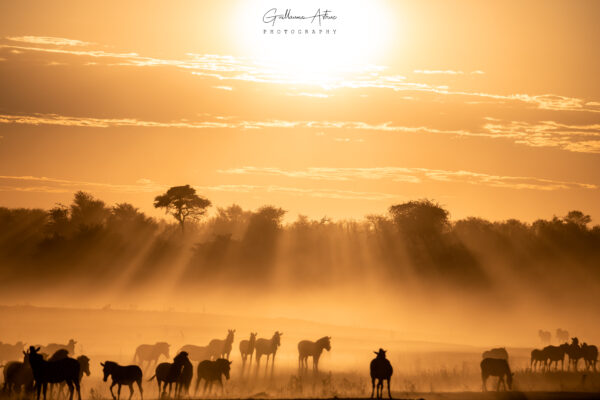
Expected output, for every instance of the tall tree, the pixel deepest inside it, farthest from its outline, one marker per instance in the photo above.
(182, 203)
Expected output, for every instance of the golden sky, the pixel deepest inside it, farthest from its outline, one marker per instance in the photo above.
(491, 108)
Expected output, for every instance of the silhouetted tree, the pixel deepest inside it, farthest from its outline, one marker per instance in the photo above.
(182, 203)
(578, 218)
(422, 218)
(87, 211)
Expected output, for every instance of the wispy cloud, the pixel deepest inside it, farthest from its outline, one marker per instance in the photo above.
(413, 175)
(438, 72)
(574, 138)
(228, 88)
(227, 68)
(54, 41)
(41, 184)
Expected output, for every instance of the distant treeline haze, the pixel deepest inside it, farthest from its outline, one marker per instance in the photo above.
(90, 243)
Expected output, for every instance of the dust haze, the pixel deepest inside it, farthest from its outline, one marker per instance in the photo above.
(433, 291)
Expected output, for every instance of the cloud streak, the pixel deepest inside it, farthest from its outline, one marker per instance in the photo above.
(230, 68)
(413, 175)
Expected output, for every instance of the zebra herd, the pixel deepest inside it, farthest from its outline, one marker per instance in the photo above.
(542, 359)
(38, 370)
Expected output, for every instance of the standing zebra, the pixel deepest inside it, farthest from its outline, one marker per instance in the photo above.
(381, 370)
(247, 349)
(267, 347)
(306, 349)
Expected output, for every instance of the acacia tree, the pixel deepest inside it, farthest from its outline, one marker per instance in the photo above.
(182, 203)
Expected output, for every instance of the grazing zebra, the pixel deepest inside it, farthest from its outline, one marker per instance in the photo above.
(267, 347)
(381, 370)
(538, 359)
(84, 367)
(554, 354)
(590, 355)
(247, 349)
(545, 336)
(169, 373)
(11, 352)
(212, 371)
(122, 375)
(219, 348)
(44, 372)
(196, 353)
(54, 347)
(150, 353)
(306, 349)
(499, 353)
(496, 367)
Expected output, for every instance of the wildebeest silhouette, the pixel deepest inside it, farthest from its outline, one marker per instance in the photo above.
(221, 348)
(247, 349)
(169, 373)
(267, 347)
(554, 354)
(590, 355)
(499, 352)
(185, 378)
(122, 375)
(18, 374)
(45, 372)
(496, 367)
(380, 370)
(11, 352)
(562, 335)
(545, 336)
(150, 353)
(54, 347)
(212, 371)
(538, 359)
(306, 349)
(196, 353)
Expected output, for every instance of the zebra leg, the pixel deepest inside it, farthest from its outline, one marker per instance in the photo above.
(483, 382)
(70, 384)
(372, 387)
(111, 392)
(45, 389)
(130, 391)
(139, 382)
(119, 392)
(78, 388)
(389, 391)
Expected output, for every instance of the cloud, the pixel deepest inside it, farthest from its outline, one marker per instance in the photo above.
(437, 72)
(41, 184)
(306, 94)
(574, 138)
(227, 67)
(413, 175)
(229, 88)
(54, 41)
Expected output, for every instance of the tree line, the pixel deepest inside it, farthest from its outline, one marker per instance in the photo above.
(416, 241)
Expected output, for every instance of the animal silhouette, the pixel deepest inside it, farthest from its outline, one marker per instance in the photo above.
(575, 354)
(84, 367)
(45, 372)
(11, 352)
(185, 378)
(554, 354)
(306, 349)
(54, 347)
(17, 375)
(496, 367)
(150, 353)
(247, 349)
(562, 335)
(545, 336)
(267, 347)
(122, 375)
(196, 353)
(538, 359)
(218, 348)
(381, 370)
(212, 371)
(169, 373)
(590, 356)
(499, 353)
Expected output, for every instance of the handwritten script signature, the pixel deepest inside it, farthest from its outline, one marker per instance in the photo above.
(272, 16)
